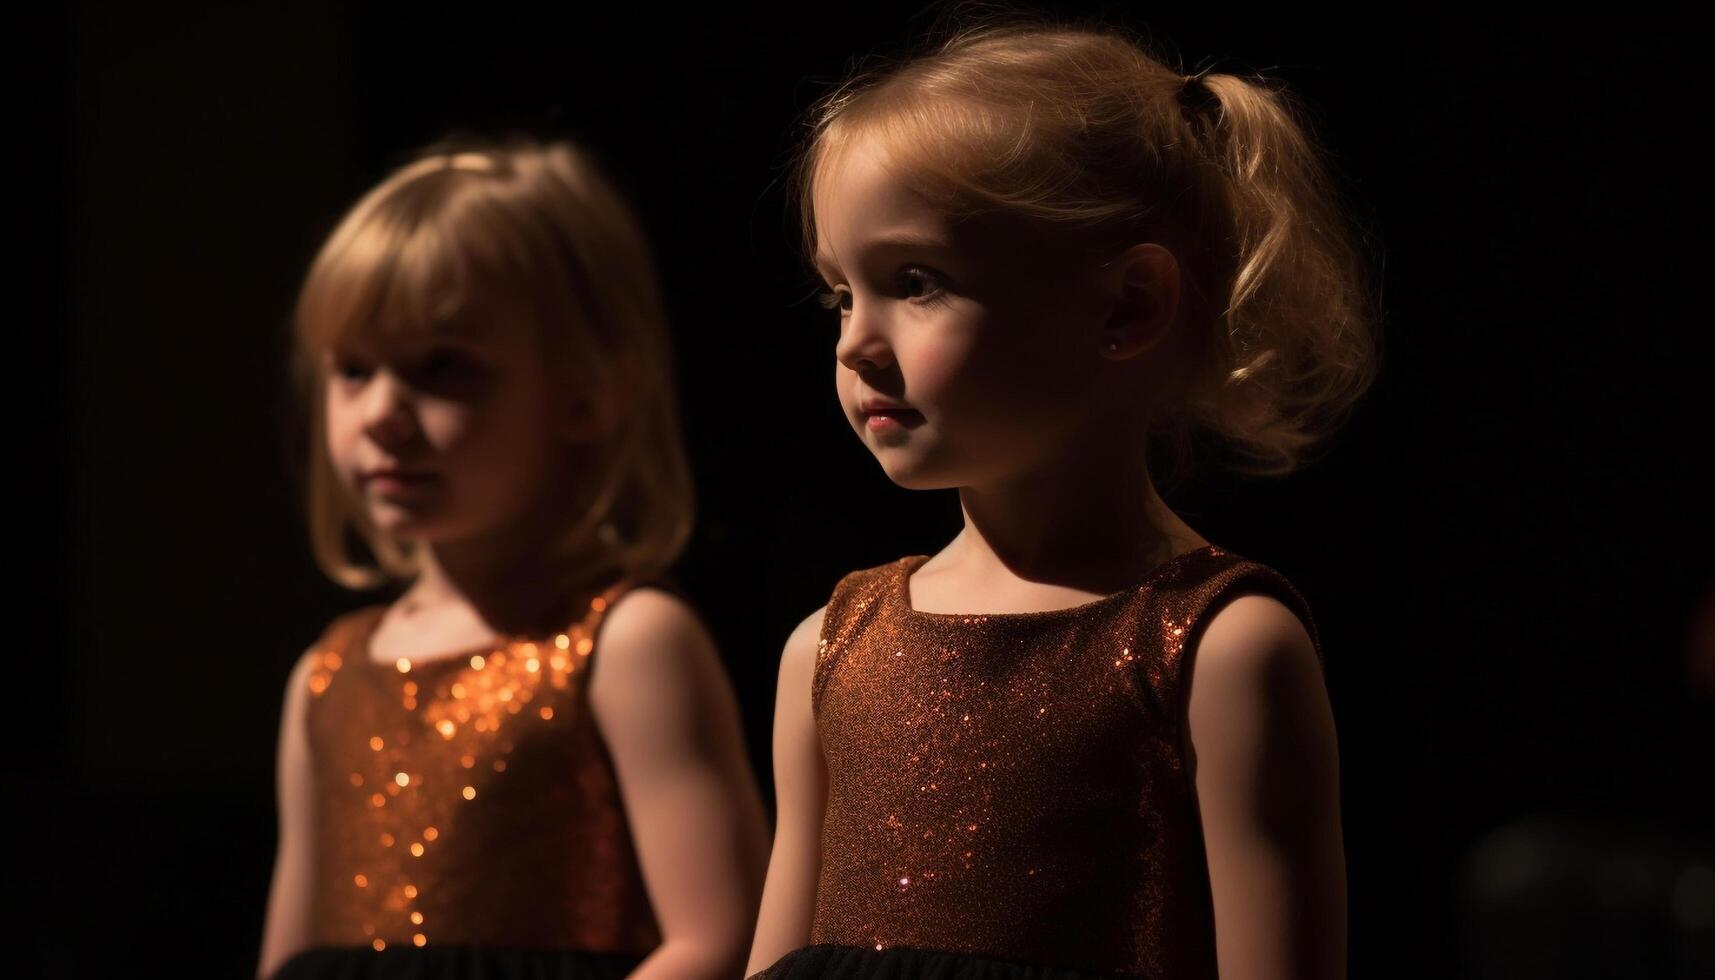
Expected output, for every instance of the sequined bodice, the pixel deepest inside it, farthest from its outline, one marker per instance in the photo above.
(468, 800)
(1014, 785)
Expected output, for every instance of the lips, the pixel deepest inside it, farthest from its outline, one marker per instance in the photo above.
(397, 475)
(883, 406)
(395, 482)
(887, 416)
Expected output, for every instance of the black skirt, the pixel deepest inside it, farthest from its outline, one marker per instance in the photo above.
(454, 963)
(829, 962)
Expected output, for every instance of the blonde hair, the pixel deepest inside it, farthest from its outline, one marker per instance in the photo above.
(1085, 133)
(521, 233)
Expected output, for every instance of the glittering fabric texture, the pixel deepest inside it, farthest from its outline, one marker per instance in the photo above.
(468, 800)
(1014, 785)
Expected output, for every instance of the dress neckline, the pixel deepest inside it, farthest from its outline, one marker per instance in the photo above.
(909, 564)
(359, 649)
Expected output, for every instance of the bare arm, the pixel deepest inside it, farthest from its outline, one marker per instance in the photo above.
(286, 929)
(667, 713)
(801, 794)
(1268, 787)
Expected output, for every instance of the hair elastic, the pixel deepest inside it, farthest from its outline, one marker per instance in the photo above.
(1195, 96)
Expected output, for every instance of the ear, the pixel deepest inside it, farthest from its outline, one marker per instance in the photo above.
(1142, 283)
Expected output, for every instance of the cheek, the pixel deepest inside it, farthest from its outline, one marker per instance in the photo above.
(1040, 363)
(340, 428)
(500, 446)
(1011, 395)
(449, 427)
(943, 369)
(984, 382)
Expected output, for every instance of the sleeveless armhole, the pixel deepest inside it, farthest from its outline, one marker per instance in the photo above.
(335, 647)
(346, 628)
(1242, 578)
(590, 626)
(853, 603)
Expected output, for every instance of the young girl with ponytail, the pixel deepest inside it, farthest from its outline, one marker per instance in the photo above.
(1080, 739)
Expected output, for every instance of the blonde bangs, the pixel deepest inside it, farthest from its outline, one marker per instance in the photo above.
(933, 145)
(419, 260)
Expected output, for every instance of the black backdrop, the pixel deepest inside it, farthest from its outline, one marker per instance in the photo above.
(1505, 551)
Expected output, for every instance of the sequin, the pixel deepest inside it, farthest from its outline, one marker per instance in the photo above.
(1012, 784)
(437, 801)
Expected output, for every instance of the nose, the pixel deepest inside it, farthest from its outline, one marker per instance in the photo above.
(863, 342)
(387, 412)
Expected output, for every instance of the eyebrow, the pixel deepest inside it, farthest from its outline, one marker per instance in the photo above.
(897, 242)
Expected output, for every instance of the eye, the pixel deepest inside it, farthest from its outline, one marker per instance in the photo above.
(446, 369)
(348, 368)
(836, 299)
(919, 283)
(447, 362)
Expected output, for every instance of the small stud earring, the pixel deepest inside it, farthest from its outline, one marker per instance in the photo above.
(1113, 345)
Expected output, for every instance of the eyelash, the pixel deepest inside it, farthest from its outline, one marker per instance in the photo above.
(347, 370)
(832, 299)
(439, 365)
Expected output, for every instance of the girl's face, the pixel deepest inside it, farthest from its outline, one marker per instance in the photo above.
(968, 350)
(441, 438)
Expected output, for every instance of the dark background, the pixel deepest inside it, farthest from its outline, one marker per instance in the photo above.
(1506, 551)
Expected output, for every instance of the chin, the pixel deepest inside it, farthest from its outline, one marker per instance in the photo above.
(416, 527)
(913, 473)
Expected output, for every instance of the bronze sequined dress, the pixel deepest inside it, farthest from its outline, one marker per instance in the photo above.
(467, 819)
(1008, 794)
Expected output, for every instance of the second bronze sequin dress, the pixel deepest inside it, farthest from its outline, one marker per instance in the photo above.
(468, 820)
(1008, 795)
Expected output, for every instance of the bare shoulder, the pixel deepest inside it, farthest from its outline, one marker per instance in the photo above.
(646, 614)
(328, 651)
(307, 661)
(1258, 712)
(298, 680)
(802, 643)
(1255, 638)
(649, 634)
(798, 662)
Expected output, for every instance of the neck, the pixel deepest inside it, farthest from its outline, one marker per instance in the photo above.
(505, 576)
(1087, 518)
